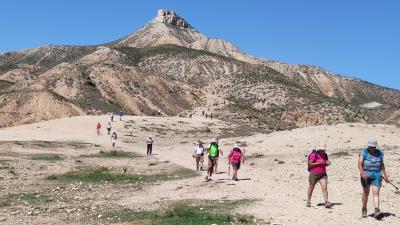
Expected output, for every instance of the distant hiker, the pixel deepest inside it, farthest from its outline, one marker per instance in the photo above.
(317, 163)
(198, 154)
(120, 115)
(235, 158)
(109, 128)
(203, 113)
(114, 138)
(211, 115)
(149, 143)
(190, 115)
(371, 166)
(206, 115)
(98, 128)
(213, 151)
(112, 117)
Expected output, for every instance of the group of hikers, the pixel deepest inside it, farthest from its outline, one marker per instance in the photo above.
(235, 158)
(371, 166)
(372, 172)
(114, 136)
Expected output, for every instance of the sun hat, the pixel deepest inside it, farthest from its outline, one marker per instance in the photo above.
(235, 145)
(320, 147)
(214, 140)
(372, 143)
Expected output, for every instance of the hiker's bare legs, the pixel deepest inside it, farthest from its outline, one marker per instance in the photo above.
(197, 162)
(310, 191)
(375, 192)
(215, 165)
(365, 196)
(211, 167)
(324, 186)
(235, 173)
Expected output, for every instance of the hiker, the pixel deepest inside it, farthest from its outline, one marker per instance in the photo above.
(317, 163)
(198, 154)
(113, 138)
(203, 113)
(235, 158)
(206, 115)
(109, 128)
(211, 115)
(371, 166)
(120, 115)
(149, 143)
(212, 150)
(98, 127)
(112, 117)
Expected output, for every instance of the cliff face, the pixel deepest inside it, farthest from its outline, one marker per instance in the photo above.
(169, 66)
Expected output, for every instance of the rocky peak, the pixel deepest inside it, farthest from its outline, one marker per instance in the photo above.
(171, 18)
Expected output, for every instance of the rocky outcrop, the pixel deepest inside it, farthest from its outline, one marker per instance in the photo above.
(170, 18)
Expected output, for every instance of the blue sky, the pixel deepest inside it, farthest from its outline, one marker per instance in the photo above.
(356, 38)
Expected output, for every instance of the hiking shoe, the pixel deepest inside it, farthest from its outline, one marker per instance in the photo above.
(308, 204)
(364, 212)
(206, 177)
(377, 212)
(328, 204)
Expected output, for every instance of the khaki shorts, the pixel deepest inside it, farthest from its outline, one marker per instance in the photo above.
(314, 178)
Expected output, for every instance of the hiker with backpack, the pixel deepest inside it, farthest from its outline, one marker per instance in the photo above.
(114, 138)
(198, 154)
(317, 163)
(98, 128)
(213, 152)
(235, 158)
(109, 128)
(149, 143)
(112, 117)
(371, 166)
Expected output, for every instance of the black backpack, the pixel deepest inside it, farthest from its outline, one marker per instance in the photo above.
(316, 157)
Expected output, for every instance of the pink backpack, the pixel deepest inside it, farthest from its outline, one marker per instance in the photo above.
(236, 155)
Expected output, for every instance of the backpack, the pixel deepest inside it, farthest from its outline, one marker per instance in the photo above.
(315, 159)
(216, 148)
(236, 155)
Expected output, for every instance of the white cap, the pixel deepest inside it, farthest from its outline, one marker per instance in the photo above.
(214, 140)
(372, 143)
(319, 147)
(235, 145)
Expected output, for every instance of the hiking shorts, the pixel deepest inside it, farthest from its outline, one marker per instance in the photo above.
(236, 166)
(315, 177)
(374, 178)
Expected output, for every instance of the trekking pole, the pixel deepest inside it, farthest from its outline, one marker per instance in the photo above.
(393, 185)
(229, 170)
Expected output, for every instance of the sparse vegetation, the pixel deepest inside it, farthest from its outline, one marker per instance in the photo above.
(30, 198)
(185, 213)
(47, 157)
(103, 174)
(51, 144)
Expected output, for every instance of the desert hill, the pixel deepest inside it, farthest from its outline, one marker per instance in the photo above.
(169, 67)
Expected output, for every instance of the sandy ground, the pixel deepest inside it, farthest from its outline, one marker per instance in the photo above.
(278, 178)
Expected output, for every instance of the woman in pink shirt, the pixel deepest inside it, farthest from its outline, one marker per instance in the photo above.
(317, 163)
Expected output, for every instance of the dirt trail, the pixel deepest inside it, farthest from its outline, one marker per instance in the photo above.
(277, 177)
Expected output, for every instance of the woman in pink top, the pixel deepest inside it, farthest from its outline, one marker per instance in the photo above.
(317, 163)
